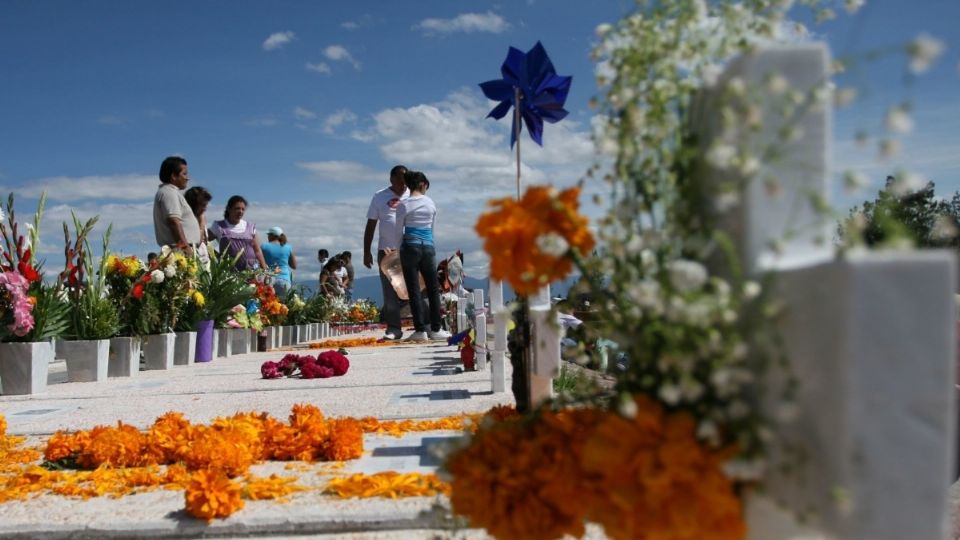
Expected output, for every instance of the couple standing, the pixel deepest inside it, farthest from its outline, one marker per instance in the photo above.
(407, 218)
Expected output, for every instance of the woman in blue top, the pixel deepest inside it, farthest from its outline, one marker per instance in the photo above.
(416, 217)
(280, 259)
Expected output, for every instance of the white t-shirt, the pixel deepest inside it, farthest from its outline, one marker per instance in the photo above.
(383, 208)
(418, 212)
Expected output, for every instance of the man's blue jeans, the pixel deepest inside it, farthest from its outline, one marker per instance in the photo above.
(391, 302)
(421, 259)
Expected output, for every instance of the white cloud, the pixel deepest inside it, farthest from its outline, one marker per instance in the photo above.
(277, 40)
(127, 187)
(339, 53)
(349, 25)
(320, 67)
(342, 171)
(337, 119)
(304, 114)
(465, 22)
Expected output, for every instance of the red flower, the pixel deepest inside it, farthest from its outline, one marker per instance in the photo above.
(270, 370)
(27, 271)
(335, 361)
(137, 291)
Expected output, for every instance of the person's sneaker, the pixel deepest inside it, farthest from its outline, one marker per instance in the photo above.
(418, 336)
(391, 336)
(439, 335)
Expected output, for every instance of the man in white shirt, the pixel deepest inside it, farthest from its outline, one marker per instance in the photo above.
(383, 210)
(174, 223)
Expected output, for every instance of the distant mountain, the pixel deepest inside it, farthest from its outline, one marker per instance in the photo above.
(369, 287)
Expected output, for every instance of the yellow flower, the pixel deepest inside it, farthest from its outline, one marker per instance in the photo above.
(114, 264)
(275, 487)
(211, 495)
(198, 298)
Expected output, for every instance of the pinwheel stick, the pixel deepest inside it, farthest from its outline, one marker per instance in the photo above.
(516, 122)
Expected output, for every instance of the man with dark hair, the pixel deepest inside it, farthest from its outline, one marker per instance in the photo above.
(174, 223)
(383, 210)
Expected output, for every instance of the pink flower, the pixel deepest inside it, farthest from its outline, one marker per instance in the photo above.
(16, 285)
(335, 361)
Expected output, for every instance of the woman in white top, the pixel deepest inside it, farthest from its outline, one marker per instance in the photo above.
(416, 216)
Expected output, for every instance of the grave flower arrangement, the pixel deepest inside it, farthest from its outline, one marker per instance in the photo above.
(273, 312)
(92, 314)
(159, 295)
(30, 310)
(363, 310)
(324, 365)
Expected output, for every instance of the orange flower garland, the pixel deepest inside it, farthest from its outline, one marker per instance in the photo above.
(513, 230)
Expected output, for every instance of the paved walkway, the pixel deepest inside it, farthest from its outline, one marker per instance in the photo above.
(393, 382)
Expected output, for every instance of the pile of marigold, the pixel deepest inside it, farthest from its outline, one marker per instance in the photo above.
(352, 342)
(640, 477)
(529, 241)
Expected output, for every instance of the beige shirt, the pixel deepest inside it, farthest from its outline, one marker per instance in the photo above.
(169, 202)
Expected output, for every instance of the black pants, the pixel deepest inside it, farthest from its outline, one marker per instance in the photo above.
(417, 260)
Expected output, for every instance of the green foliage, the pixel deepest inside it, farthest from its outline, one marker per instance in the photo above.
(317, 309)
(222, 288)
(894, 218)
(91, 313)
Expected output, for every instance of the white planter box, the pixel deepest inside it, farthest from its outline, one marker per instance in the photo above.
(304, 333)
(158, 350)
(224, 342)
(185, 349)
(287, 336)
(88, 360)
(124, 357)
(24, 367)
(241, 340)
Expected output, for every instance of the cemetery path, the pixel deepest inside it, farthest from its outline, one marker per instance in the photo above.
(387, 382)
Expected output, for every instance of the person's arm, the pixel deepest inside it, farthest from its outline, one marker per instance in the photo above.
(401, 217)
(367, 241)
(259, 252)
(177, 228)
(293, 260)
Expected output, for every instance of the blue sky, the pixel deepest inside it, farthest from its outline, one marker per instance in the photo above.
(302, 107)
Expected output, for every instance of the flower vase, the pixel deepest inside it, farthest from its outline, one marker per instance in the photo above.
(185, 348)
(24, 367)
(262, 338)
(224, 342)
(205, 342)
(88, 360)
(124, 359)
(158, 350)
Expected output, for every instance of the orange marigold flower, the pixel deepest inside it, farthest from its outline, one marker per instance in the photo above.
(514, 234)
(3, 426)
(168, 439)
(648, 465)
(537, 493)
(211, 494)
(344, 441)
(120, 446)
(274, 487)
(389, 484)
(229, 449)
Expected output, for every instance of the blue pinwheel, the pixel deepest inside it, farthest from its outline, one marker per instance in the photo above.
(530, 78)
